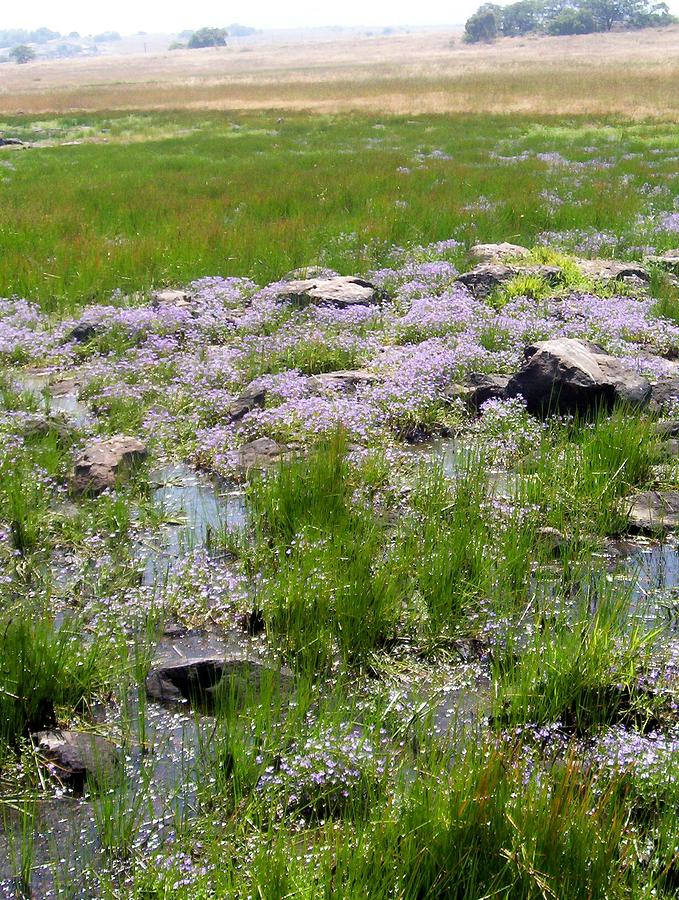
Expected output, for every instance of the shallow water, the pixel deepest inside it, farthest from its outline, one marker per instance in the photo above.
(59, 398)
(198, 510)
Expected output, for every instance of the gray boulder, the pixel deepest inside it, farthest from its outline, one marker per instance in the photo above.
(260, 453)
(568, 375)
(339, 291)
(494, 253)
(103, 461)
(251, 398)
(653, 511)
(171, 297)
(76, 756)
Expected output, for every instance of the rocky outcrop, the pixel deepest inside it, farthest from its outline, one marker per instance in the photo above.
(568, 375)
(251, 398)
(171, 297)
(76, 757)
(484, 279)
(665, 393)
(607, 270)
(653, 511)
(669, 261)
(339, 291)
(481, 254)
(104, 461)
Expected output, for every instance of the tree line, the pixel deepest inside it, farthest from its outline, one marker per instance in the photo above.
(491, 21)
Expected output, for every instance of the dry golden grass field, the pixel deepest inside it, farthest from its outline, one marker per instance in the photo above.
(634, 74)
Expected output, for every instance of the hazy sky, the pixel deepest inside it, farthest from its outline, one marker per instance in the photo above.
(129, 16)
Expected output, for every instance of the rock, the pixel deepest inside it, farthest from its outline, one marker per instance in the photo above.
(306, 273)
(251, 398)
(568, 375)
(666, 430)
(339, 291)
(260, 453)
(82, 332)
(200, 676)
(484, 279)
(346, 381)
(492, 253)
(40, 425)
(665, 393)
(607, 270)
(669, 261)
(477, 388)
(553, 539)
(653, 511)
(171, 297)
(76, 756)
(11, 142)
(104, 460)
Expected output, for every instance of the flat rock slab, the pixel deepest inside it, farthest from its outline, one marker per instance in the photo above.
(477, 389)
(566, 375)
(171, 297)
(669, 261)
(104, 461)
(76, 756)
(339, 291)
(653, 511)
(307, 273)
(492, 253)
(251, 398)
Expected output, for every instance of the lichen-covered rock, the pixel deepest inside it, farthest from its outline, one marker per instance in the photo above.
(304, 273)
(482, 280)
(606, 270)
(340, 291)
(344, 380)
(104, 460)
(569, 375)
(75, 756)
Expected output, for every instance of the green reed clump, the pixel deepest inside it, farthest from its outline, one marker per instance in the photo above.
(42, 670)
(580, 473)
(580, 669)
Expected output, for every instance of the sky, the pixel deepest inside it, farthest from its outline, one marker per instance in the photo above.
(130, 16)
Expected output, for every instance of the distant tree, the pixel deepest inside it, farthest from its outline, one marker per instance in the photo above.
(74, 35)
(42, 35)
(22, 53)
(521, 18)
(177, 45)
(484, 25)
(207, 37)
(236, 30)
(106, 37)
(572, 21)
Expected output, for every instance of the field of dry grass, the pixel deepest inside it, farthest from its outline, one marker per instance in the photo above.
(630, 74)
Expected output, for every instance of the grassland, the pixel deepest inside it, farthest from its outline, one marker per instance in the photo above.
(156, 199)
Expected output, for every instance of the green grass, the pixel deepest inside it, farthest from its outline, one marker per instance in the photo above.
(251, 195)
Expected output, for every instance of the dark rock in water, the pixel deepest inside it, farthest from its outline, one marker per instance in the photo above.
(477, 388)
(105, 460)
(251, 398)
(339, 291)
(76, 756)
(82, 332)
(260, 453)
(653, 511)
(201, 677)
(344, 380)
(566, 375)
(665, 393)
(497, 253)
(305, 273)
